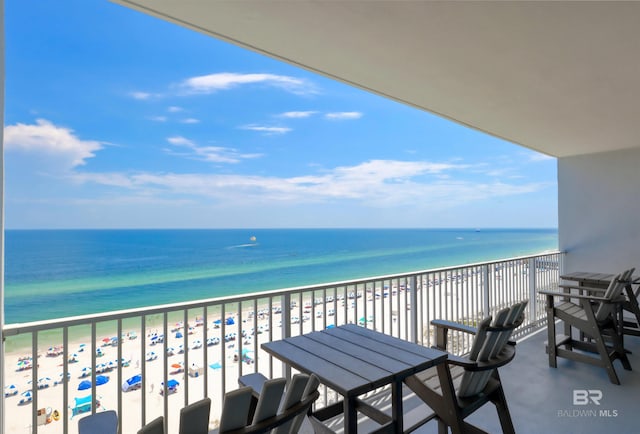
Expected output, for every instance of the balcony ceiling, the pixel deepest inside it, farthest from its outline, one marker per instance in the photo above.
(562, 78)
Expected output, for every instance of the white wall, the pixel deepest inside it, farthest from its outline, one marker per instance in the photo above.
(599, 211)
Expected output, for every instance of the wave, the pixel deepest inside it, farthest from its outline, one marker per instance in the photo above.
(239, 246)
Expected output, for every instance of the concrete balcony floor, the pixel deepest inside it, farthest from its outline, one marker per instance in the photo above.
(540, 398)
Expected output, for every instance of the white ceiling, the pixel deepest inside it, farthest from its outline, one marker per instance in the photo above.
(562, 78)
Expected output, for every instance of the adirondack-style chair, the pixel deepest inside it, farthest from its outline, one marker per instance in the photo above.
(462, 385)
(260, 407)
(194, 418)
(597, 319)
(156, 426)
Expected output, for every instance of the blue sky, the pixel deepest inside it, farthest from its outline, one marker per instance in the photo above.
(114, 119)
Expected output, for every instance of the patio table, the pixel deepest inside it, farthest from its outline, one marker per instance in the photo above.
(353, 360)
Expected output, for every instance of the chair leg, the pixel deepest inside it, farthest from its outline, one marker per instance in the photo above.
(442, 427)
(551, 334)
(618, 347)
(500, 401)
(599, 343)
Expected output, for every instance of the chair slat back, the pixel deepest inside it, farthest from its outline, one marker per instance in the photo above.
(194, 418)
(300, 388)
(235, 409)
(270, 398)
(156, 426)
(489, 342)
(617, 284)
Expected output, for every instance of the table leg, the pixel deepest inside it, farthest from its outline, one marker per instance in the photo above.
(396, 406)
(350, 416)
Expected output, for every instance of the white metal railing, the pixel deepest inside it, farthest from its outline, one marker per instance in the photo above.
(230, 331)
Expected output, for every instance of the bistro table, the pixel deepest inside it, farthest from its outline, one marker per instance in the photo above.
(354, 360)
(602, 281)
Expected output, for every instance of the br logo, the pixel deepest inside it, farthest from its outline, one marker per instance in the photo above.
(585, 397)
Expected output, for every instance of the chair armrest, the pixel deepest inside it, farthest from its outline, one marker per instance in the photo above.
(450, 325)
(442, 329)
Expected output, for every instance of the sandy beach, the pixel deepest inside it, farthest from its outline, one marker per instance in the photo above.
(310, 311)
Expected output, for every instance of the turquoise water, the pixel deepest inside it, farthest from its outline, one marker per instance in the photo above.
(58, 273)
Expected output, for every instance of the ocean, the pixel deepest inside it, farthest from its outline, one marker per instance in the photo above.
(58, 273)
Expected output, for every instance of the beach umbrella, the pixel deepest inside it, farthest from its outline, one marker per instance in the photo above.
(215, 365)
(230, 321)
(10, 390)
(84, 385)
(171, 383)
(178, 335)
(176, 365)
(101, 379)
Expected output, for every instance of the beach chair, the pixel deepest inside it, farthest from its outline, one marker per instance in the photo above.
(156, 426)
(105, 422)
(261, 408)
(598, 321)
(194, 418)
(459, 387)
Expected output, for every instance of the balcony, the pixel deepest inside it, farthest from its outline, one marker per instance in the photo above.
(205, 345)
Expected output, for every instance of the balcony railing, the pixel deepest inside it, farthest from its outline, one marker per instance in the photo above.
(205, 345)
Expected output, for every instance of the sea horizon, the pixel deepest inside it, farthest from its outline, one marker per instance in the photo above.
(52, 273)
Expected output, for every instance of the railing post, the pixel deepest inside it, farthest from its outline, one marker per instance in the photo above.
(286, 329)
(533, 299)
(487, 285)
(413, 313)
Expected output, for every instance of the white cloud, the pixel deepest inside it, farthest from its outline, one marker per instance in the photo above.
(211, 83)
(158, 118)
(211, 154)
(267, 130)
(190, 121)
(48, 140)
(174, 109)
(141, 95)
(181, 141)
(343, 115)
(297, 115)
(375, 183)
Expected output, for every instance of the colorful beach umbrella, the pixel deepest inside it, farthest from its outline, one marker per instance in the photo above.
(84, 385)
(179, 335)
(101, 379)
(171, 383)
